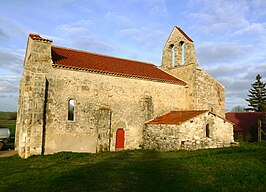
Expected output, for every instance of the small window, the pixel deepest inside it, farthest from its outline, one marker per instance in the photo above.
(172, 47)
(71, 105)
(207, 130)
(183, 52)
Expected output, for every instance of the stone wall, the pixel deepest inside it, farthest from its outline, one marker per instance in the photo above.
(32, 96)
(189, 135)
(130, 103)
(175, 41)
(203, 92)
(103, 104)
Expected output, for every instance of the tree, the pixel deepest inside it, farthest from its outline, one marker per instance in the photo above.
(238, 109)
(257, 96)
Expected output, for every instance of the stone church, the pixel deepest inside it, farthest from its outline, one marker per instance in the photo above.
(72, 100)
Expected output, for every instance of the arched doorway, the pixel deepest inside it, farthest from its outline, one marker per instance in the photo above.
(120, 139)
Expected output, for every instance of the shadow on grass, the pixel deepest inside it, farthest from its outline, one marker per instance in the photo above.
(122, 171)
(238, 169)
(126, 171)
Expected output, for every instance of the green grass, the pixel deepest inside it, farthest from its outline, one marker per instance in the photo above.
(229, 169)
(8, 115)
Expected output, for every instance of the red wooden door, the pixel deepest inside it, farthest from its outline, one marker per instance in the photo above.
(120, 139)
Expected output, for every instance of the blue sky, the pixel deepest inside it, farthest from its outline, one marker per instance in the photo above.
(229, 35)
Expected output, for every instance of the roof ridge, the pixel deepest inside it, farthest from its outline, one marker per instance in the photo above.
(245, 112)
(193, 110)
(83, 51)
(181, 31)
(176, 116)
(119, 74)
(36, 36)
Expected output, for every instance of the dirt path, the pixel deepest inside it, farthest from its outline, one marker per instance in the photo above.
(7, 153)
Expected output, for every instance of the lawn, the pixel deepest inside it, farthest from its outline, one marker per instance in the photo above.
(229, 169)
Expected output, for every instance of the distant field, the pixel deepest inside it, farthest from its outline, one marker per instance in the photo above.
(7, 119)
(229, 169)
(8, 115)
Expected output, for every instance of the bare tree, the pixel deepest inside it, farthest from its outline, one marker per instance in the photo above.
(238, 109)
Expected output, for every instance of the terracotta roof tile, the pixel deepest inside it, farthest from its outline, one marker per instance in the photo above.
(38, 37)
(176, 117)
(75, 59)
(181, 31)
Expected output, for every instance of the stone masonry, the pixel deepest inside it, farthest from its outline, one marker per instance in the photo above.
(105, 102)
(204, 92)
(189, 135)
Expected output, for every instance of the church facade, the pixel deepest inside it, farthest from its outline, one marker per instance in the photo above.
(72, 100)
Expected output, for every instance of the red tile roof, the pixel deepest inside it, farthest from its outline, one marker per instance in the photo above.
(75, 59)
(245, 121)
(176, 117)
(38, 37)
(181, 31)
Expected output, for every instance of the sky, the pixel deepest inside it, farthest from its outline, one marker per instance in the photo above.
(229, 36)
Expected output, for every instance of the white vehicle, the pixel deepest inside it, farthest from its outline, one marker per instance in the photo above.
(4, 135)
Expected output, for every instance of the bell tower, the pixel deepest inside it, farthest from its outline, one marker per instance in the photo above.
(179, 50)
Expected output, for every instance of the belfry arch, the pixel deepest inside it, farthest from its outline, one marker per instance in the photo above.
(182, 44)
(178, 51)
(172, 49)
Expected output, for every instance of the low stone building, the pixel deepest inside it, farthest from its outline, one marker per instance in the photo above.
(187, 130)
(72, 100)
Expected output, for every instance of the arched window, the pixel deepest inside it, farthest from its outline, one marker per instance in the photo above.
(71, 106)
(173, 54)
(183, 51)
(207, 130)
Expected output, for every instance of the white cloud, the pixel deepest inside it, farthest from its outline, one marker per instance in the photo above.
(91, 44)
(226, 71)
(118, 19)
(9, 84)
(9, 88)
(156, 7)
(10, 28)
(71, 29)
(8, 102)
(219, 16)
(11, 61)
(79, 26)
(146, 37)
(3, 34)
(259, 7)
(253, 29)
(237, 80)
(211, 53)
(11, 65)
(203, 17)
(60, 2)
(236, 90)
(79, 36)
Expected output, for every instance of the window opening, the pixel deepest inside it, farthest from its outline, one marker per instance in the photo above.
(173, 55)
(71, 106)
(207, 130)
(183, 52)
